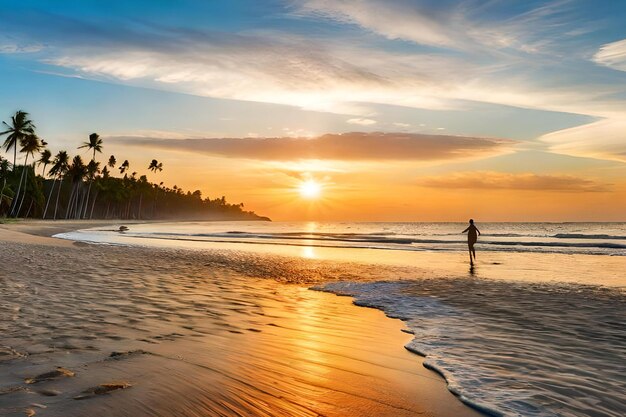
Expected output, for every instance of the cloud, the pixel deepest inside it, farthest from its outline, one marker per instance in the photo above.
(612, 55)
(324, 74)
(401, 20)
(348, 146)
(362, 122)
(506, 181)
(604, 139)
(451, 24)
(269, 68)
(316, 75)
(9, 45)
(333, 73)
(19, 49)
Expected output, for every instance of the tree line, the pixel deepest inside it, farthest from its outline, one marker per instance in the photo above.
(67, 187)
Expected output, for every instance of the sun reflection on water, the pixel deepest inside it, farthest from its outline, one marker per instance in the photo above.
(308, 252)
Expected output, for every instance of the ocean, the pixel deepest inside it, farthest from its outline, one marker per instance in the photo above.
(570, 238)
(507, 347)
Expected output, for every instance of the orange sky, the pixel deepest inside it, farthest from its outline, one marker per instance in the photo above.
(443, 189)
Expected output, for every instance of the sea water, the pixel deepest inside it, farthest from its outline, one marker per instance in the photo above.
(505, 347)
(580, 238)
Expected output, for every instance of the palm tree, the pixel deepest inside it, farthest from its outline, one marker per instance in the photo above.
(44, 160)
(94, 143)
(124, 167)
(112, 161)
(76, 173)
(21, 127)
(155, 166)
(30, 146)
(93, 168)
(59, 167)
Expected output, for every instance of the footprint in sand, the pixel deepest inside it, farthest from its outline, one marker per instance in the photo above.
(58, 373)
(102, 389)
(48, 392)
(125, 354)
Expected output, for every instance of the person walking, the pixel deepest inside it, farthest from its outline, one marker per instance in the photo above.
(472, 237)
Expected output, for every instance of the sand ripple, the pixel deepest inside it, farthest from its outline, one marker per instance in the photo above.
(195, 334)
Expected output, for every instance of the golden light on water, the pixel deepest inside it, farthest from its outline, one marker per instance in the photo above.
(308, 252)
(310, 189)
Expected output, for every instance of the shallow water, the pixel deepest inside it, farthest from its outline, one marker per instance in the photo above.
(568, 238)
(514, 349)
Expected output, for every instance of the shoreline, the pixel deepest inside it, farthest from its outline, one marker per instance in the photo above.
(493, 265)
(318, 350)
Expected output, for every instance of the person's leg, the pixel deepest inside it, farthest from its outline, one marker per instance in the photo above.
(474, 251)
(470, 247)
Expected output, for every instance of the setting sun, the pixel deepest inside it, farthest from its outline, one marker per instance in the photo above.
(310, 189)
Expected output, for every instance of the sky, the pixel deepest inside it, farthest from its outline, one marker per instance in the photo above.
(399, 110)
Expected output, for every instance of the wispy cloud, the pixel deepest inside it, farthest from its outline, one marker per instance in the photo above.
(450, 23)
(348, 146)
(506, 181)
(604, 139)
(362, 122)
(398, 20)
(11, 45)
(612, 55)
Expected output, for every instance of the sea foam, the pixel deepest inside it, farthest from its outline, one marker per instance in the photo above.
(513, 349)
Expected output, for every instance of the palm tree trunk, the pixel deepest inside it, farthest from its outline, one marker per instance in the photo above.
(4, 184)
(80, 202)
(93, 204)
(54, 183)
(24, 193)
(69, 203)
(56, 206)
(19, 189)
(29, 207)
(83, 204)
(77, 200)
(87, 201)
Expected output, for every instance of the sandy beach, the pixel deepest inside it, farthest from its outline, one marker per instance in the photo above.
(104, 330)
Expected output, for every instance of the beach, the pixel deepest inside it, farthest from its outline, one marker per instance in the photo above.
(355, 208)
(137, 331)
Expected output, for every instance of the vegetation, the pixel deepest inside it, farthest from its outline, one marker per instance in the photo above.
(73, 189)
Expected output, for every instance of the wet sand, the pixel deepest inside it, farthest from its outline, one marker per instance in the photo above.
(164, 332)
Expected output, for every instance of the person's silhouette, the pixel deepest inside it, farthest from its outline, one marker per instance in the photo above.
(472, 237)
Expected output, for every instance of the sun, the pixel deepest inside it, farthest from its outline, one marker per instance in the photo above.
(310, 189)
